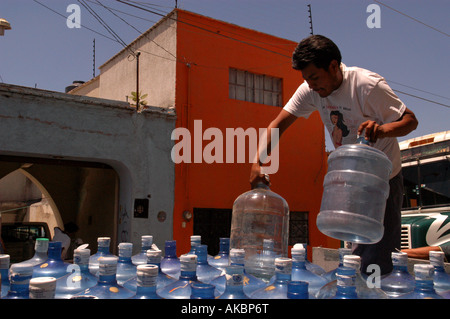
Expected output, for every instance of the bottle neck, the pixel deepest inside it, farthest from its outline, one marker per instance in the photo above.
(281, 277)
(424, 285)
(346, 291)
(145, 290)
(188, 275)
(103, 249)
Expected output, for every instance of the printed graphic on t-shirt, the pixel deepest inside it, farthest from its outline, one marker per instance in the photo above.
(342, 128)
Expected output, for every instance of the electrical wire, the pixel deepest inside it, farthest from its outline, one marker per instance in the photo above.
(414, 19)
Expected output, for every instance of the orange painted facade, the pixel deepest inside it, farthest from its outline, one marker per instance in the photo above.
(206, 49)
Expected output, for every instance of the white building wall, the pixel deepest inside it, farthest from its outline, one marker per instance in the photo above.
(44, 124)
(157, 69)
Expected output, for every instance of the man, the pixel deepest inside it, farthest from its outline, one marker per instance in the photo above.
(366, 105)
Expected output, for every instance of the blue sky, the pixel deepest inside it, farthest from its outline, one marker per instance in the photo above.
(410, 49)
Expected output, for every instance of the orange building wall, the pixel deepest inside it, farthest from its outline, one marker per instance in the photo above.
(202, 94)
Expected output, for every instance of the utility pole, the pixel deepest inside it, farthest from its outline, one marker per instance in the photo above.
(310, 19)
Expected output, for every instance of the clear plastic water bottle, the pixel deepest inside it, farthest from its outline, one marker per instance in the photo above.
(170, 264)
(19, 277)
(399, 281)
(141, 257)
(300, 273)
(356, 188)
(331, 275)
(314, 268)
(222, 259)
(42, 288)
(4, 273)
(297, 290)
(424, 286)
(146, 282)
(250, 282)
(362, 288)
(346, 288)
(125, 268)
(260, 215)
(162, 279)
(205, 272)
(54, 266)
(235, 283)
(278, 289)
(441, 278)
(200, 290)
(79, 277)
(40, 252)
(181, 289)
(107, 286)
(103, 244)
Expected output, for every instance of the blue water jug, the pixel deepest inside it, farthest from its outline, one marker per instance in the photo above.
(222, 259)
(78, 278)
(441, 278)
(170, 263)
(278, 289)
(54, 266)
(399, 281)
(103, 245)
(141, 257)
(234, 283)
(424, 286)
(19, 277)
(4, 273)
(125, 267)
(146, 282)
(205, 272)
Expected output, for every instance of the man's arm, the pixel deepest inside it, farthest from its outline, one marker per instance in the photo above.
(281, 122)
(403, 126)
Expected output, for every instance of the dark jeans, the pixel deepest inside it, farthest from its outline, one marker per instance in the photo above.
(380, 253)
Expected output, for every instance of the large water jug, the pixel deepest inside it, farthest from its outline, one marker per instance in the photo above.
(260, 226)
(356, 188)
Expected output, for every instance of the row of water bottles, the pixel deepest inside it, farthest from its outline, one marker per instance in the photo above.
(150, 275)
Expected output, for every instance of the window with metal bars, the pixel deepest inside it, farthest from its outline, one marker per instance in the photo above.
(256, 88)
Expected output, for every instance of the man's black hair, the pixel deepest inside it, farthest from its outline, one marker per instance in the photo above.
(315, 49)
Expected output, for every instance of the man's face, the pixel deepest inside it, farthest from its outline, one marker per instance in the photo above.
(322, 81)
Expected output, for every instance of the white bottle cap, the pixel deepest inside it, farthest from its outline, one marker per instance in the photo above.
(146, 275)
(107, 265)
(154, 256)
(399, 258)
(4, 261)
(81, 256)
(437, 258)
(125, 249)
(298, 253)
(42, 288)
(352, 261)
(103, 241)
(22, 269)
(188, 262)
(41, 245)
(147, 240)
(424, 271)
(283, 265)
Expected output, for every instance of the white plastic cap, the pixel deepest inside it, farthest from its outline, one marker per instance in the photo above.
(283, 265)
(4, 261)
(399, 258)
(424, 271)
(42, 287)
(352, 261)
(188, 262)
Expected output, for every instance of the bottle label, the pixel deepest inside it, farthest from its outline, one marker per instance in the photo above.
(146, 280)
(44, 265)
(42, 293)
(107, 269)
(234, 279)
(114, 289)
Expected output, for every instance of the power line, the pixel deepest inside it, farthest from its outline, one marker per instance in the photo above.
(421, 98)
(414, 19)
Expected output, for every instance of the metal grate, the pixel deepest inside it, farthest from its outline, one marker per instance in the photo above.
(406, 237)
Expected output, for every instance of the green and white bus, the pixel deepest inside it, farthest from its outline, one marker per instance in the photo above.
(426, 202)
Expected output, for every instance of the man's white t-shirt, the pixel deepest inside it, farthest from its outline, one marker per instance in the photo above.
(363, 95)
